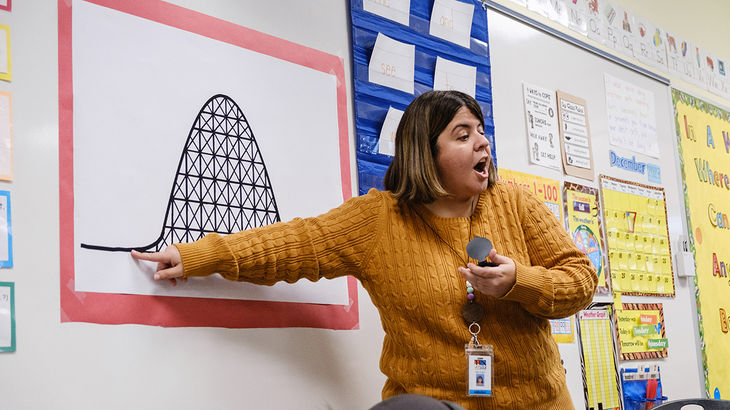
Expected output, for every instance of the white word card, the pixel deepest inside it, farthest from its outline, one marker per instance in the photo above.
(450, 75)
(396, 10)
(386, 143)
(451, 20)
(392, 64)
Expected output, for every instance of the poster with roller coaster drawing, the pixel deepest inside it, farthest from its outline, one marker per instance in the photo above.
(174, 124)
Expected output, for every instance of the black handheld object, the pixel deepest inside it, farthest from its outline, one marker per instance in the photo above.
(479, 248)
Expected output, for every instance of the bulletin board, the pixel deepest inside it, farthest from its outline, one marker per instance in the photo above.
(703, 137)
(373, 100)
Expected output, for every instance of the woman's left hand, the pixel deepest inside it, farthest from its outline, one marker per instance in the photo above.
(493, 281)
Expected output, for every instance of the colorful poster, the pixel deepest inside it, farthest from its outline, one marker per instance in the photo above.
(557, 10)
(583, 223)
(639, 256)
(577, 21)
(7, 317)
(544, 188)
(541, 119)
(598, 354)
(562, 330)
(631, 116)
(651, 48)
(597, 20)
(6, 136)
(676, 56)
(640, 332)
(575, 136)
(6, 72)
(703, 140)
(6, 231)
(621, 30)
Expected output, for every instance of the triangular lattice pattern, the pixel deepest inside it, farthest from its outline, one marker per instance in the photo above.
(221, 184)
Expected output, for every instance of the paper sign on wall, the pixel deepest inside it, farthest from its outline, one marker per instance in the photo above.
(599, 366)
(5, 54)
(640, 331)
(6, 233)
(577, 18)
(562, 330)
(6, 137)
(631, 116)
(542, 126)
(595, 21)
(584, 225)
(545, 189)
(575, 136)
(392, 64)
(7, 317)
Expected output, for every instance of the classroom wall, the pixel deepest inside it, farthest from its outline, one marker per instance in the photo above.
(85, 366)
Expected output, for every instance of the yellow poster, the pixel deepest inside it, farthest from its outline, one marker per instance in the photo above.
(545, 189)
(703, 136)
(5, 55)
(599, 366)
(583, 222)
(639, 257)
(640, 331)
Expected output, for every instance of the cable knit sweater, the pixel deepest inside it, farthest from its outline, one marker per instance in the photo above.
(412, 279)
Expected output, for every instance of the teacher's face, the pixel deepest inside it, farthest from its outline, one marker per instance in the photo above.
(463, 156)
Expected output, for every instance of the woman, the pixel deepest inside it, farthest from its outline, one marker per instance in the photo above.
(407, 246)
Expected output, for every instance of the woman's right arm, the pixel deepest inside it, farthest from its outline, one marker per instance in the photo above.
(330, 245)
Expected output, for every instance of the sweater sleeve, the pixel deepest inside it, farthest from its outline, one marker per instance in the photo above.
(561, 280)
(330, 245)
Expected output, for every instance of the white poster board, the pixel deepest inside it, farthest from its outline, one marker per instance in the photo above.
(137, 91)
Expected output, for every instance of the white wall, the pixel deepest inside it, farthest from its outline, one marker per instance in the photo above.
(87, 366)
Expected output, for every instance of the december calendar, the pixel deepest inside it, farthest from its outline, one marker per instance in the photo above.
(639, 256)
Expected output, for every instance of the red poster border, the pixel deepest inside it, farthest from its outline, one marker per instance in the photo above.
(107, 308)
(8, 6)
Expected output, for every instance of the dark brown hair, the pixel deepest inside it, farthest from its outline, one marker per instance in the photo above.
(412, 175)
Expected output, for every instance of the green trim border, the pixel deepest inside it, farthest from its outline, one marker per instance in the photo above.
(10, 348)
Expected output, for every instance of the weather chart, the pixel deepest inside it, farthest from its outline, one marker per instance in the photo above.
(583, 223)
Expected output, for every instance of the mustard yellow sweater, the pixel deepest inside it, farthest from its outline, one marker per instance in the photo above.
(413, 280)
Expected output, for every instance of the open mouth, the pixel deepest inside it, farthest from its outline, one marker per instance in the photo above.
(481, 166)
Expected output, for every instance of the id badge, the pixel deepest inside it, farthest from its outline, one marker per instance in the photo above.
(479, 360)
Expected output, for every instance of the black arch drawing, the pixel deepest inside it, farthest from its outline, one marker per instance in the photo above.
(221, 184)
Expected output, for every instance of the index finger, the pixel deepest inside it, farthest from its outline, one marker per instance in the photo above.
(151, 256)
